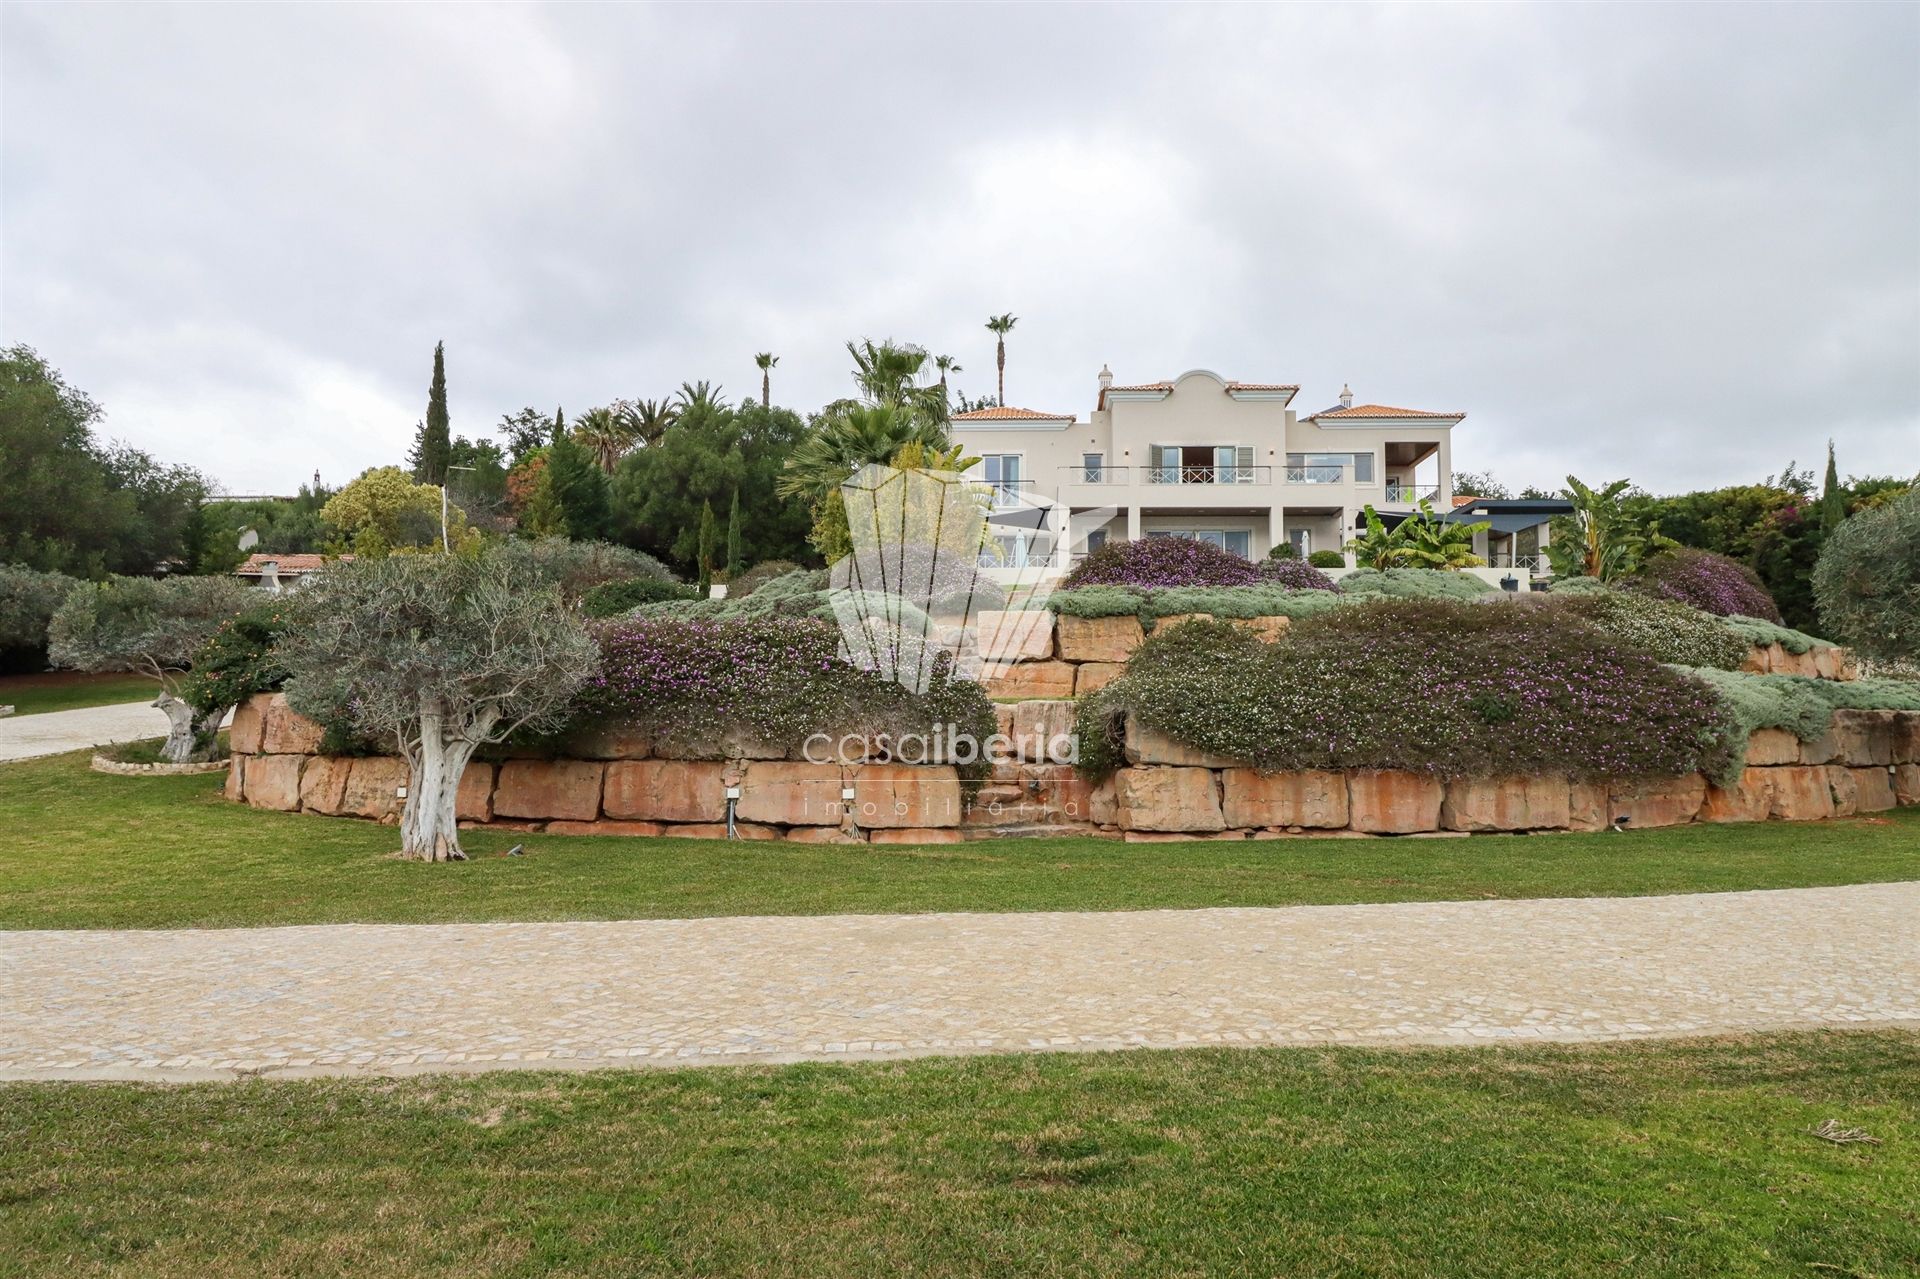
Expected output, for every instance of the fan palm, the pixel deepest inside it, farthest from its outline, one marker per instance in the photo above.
(1000, 326)
(847, 441)
(889, 376)
(765, 362)
(607, 433)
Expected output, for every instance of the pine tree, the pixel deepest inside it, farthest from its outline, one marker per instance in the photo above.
(733, 538)
(1833, 499)
(580, 488)
(708, 534)
(433, 438)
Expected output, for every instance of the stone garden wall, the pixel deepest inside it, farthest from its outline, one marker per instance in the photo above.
(1033, 653)
(1868, 762)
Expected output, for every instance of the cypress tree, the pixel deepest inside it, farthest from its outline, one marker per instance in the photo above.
(559, 424)
(580, 489)
(1833, 501)
(704, 552)
(733, 538)
(433, 441)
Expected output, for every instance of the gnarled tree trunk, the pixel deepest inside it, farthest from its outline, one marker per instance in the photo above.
(181, 737)
(429, 822)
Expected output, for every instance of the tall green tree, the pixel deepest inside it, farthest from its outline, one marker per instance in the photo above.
(1000, 326)
(607, 433)
(765, 362)
(734, 565)
(579, 487)
(433, 443)
(649, 419)
(706, 549)
(1833, 498)
(946, 364)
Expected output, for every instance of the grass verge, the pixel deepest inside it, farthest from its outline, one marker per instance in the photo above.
(65, 691)
(1674, 1158)
(83, 850)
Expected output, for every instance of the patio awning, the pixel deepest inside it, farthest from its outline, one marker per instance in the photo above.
(1502, 521)
(1022, 517)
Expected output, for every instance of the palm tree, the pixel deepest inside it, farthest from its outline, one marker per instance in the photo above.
(889, 375)
(700, 397)
(946, 364)
(1000, 326)
(765, 362)
(649, 419)
(847, 441)
(607, 433)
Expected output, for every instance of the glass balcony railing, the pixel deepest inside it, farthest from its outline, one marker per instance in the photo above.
(1400, 491)
(1319, 474)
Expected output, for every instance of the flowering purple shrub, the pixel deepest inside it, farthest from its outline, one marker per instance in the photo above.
(1453, 689)
(1162, 561)
(1707, 581)
(1296, 575)
(770, 680)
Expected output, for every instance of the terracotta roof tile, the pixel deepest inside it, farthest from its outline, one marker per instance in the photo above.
(257, 562)
(1263, 386)
(1011, 414)
(1382, 410)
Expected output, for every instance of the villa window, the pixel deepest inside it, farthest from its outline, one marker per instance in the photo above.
(1002, 471)
(1093, 468)
(1234, 541)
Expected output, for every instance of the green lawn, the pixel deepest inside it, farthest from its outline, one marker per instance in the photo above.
(64, 691)
(82, 850)
(1689, 1158)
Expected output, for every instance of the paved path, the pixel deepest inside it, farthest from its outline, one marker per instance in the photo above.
(25, 736)
(392, 999)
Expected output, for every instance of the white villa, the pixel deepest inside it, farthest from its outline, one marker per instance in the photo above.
(1231, 463)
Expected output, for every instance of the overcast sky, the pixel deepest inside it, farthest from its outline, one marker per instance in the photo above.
(1680, 245)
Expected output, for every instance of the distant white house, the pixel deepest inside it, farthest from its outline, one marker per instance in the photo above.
(278, 573)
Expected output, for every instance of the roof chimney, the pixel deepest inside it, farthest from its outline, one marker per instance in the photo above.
(1106, 377)
(1346, 396)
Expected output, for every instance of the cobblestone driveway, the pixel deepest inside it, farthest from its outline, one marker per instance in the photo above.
(388, 999)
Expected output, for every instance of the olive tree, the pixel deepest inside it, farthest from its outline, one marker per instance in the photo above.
(440, 654)
(1867, 581)
(151, 627)
(28, 599)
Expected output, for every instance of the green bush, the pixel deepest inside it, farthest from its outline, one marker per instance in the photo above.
(1445, 688)
(759, 575)
(1283, 551)
(1578, 586)
(238, 660)
(1413, 584)
(1867, 582)
(28, 600)
(1664, 630)
(611, 599)
(1098, 601)
(578, 567)
(1758, 633)
(1327, 559)
(1221, 601)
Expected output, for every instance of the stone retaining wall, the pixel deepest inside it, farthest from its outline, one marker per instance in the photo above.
(1033, 653)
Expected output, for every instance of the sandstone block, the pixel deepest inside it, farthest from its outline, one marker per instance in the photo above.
(1019, 635)
(1586, 806)
(1091, 677)
(1906, 784)
(897, 796)
(1657, 801)
(916, 835)
(323, 784)
(604, 826)
(273, 781)
(1905, 737)
(283, 732)
(1175, 619)
(236, 790)
(1183, 837)
(1267, 628)
(713, 741)
(1150, 746)
(1060, 789)
(1309, 799)
(1826, 662)
(1844, 788)
(718, 830)
(568, 789)
(789, 794)
(1758, 661)
(665, 790)
(1874, 788)
(373, 787)
(473, 801)
(1166, 799)
(824, 835)
(1506, 803)
(249, 723)
(1770, 746)
(1823, 750)
(1099, 639)
(1749, 800)
(1029, 679)
(1800, 793)
(1043, 731)
(1393, 803)
(609, 741)
(1863, 738)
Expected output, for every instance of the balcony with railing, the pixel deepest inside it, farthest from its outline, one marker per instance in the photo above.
(1095, 475)
(1318, 473)
(1008, 493)
(1407, 493)
(1209, 474)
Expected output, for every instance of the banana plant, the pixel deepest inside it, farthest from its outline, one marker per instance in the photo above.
(1432, 542)
(1595, 540)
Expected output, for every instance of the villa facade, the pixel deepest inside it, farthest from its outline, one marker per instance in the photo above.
(1231, 463)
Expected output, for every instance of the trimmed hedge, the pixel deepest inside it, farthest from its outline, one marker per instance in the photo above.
(1446, 688)
(1327, 559)
(1413, 584)
(28, 601)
